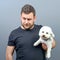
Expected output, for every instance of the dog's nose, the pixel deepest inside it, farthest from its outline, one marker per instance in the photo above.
(43, 36)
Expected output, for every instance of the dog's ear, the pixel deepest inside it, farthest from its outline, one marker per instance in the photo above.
(52, 34)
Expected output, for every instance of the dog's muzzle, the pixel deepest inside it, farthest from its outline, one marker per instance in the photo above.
(44, 37)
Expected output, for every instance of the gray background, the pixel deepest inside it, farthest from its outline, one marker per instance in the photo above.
(47, 11)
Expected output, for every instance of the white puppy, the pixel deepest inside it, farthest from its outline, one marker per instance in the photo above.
(46, 36)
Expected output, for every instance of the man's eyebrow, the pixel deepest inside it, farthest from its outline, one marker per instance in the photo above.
(27, 18)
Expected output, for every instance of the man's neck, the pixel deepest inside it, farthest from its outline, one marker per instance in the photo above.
(29, 28)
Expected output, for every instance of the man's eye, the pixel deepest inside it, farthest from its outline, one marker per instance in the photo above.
(29, 19)
(46, 32)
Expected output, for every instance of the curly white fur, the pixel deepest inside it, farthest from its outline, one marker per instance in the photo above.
(46, 36)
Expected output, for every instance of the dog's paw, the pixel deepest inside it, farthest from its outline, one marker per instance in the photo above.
(48, 55)
(34, 44)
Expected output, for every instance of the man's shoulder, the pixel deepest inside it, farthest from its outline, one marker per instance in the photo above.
(16, 30)
(38, 26)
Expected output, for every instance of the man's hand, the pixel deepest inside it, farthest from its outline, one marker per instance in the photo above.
(44, 46)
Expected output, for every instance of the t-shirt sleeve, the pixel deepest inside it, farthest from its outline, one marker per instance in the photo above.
(40, 26)
(11, 39)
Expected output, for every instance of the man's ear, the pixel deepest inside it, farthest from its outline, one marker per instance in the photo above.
(20, 17)
(34, 18)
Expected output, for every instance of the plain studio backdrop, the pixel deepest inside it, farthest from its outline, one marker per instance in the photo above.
(47, 12)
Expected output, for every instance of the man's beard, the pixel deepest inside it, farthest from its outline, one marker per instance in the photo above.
(29, 28)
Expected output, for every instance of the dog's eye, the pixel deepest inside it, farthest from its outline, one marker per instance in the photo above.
(42, 31)
(46, 32)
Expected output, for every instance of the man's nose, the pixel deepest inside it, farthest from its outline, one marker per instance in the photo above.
(26, 21)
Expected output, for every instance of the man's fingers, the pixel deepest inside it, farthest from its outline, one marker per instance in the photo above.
(44, 46)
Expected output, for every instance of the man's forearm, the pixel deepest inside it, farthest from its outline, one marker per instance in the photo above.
(9, 52)
(9, 57)
(54, 44)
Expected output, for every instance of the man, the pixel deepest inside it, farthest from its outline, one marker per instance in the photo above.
(22, 39)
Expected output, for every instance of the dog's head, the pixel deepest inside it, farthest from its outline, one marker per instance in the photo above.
(46, 32)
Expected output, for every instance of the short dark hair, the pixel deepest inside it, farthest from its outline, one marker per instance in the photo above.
(28, 9)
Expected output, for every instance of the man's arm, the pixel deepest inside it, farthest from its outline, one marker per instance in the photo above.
(53, 45)
(9, 52)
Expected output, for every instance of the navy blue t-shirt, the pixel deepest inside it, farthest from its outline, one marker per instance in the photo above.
(23, 41)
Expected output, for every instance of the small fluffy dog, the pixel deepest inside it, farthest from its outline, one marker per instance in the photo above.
(46, 36)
